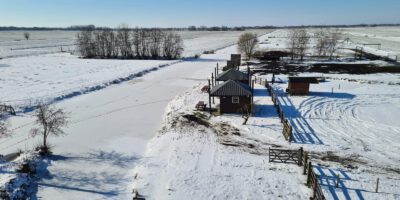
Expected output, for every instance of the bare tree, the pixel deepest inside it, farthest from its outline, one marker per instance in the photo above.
(327, 42)
(85, 43)
(27, 35)
(322, 42)
(124, 41)
(136, 41)
(292, 42)
(302, 43)
(334, 37)
(247, 44)
(298, 40)
(50, 121)
(127, 43)
(155, 41)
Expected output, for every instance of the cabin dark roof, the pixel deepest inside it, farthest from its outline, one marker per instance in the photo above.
(296, 79)
(232, 74)
(231, 88)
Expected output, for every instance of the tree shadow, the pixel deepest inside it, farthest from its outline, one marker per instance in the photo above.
(101, 172)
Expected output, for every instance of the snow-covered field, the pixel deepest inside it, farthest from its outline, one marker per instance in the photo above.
(25, 80)
(13, 43)
(358, 124)
(111, 149)
(388, 37)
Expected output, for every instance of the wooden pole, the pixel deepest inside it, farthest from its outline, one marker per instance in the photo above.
(209, 95)
(309, 173)
(337, 180)
(212, 79)
(217, 69)
(377, 185)
(300, 154)
(215, 73)
(252, 97)
(305, 163)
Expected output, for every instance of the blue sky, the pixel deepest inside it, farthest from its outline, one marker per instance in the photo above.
(181, 13)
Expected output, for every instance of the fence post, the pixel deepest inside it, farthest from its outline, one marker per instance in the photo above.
(300, 156)
(314, 189)
(269, 154)
(377, 185)
(305, 163)
(309, 173)
(337, 180)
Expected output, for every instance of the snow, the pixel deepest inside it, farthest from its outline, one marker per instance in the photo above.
(357, 122)
(91, 161)
(115, 142)
(13, 43)
(188, 161)
(26, 80)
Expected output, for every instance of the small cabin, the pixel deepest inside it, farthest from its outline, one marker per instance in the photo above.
(300, 85)
(235, 97)
(236, 59)
(233, 74)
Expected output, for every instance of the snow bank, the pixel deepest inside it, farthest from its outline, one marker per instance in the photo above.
(217, 157)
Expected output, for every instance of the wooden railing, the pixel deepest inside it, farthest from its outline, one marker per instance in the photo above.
(287, 127)
(300, 158)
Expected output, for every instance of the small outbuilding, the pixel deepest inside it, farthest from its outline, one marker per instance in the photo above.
(235, 75)
(234, 96)
(236, 59)
(300, 85)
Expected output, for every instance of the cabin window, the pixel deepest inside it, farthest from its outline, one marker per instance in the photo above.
(235, 99)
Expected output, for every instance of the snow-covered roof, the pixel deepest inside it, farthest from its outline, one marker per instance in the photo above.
(231, 88)
(232, 74)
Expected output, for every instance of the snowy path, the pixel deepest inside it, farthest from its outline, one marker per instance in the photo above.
(109, 130)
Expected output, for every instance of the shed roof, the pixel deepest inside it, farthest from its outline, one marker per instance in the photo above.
(297, 79)
(231, 88)
(232, 74)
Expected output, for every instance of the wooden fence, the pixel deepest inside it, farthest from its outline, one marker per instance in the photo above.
(7, 109)
(312, 181)
(300, 158)
(286, 156)
(287, 127)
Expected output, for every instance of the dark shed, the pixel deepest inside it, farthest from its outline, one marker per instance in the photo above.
(235, 75)
(234, 96)
(236, 59)
(300, 85)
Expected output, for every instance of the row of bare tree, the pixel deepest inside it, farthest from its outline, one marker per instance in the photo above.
(125, 42)
(326, 43)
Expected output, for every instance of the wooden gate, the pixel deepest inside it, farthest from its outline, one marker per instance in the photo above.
(286, 156)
